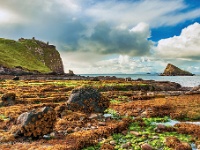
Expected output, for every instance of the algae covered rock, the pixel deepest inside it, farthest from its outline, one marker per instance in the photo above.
(36, 122)
(87, 99)
(172, 70)
(8, 99)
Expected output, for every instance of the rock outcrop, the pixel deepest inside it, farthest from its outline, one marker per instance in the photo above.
(172, 70)
(8, 99)
(35, 123)
(87, 99)
(29, 56)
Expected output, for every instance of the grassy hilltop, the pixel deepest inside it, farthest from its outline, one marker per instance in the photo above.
(30, 54)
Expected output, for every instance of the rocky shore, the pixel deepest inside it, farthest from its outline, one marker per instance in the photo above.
(76, 112)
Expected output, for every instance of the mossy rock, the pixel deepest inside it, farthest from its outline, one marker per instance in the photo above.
(87, 99)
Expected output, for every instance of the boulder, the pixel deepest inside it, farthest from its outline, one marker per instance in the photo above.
(88, 100)
(8, 99)
(172, 70)
(35, 123)
(183, 146)
(172, 142)
(146, 146)
(16, 78)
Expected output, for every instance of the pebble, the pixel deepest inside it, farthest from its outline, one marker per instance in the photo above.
(70, 130)
(107, 115)
(135, 133)
(93, 116)
(89, 125)
(155, 137)
(144, 114)
(124, 132)
(77, 129)
(93, 127)
(52, 134)
(47, 137)
(112, 142)
(126, 145)
(101, 123)
(198, 147)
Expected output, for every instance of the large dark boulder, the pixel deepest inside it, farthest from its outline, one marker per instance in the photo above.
(35, 123)
(87, 99)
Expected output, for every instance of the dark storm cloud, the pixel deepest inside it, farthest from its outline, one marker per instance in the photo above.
(107, 40)
(62, 23)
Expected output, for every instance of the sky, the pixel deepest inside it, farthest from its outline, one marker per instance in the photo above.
(110, 36)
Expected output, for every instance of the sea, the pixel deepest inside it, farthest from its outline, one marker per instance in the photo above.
(185, 81)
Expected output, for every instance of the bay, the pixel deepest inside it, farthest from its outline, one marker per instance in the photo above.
(185, 81)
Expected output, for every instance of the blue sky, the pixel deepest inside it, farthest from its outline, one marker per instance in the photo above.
(110, 36)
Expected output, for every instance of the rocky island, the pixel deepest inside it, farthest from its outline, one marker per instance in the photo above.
(172, 70)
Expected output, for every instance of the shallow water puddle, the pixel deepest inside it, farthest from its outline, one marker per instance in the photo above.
(173, 122)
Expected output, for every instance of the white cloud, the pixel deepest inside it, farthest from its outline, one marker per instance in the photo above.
(186, 45)
(7, 16)
(128, 13)
(89, 63)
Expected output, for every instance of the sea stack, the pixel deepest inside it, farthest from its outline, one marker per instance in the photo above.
(172, 70)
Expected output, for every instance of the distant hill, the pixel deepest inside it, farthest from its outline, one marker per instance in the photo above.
(172, 70)
(29, 56)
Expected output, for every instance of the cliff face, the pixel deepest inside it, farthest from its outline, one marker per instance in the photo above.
(29, 56)
(172, 70)
(45, 53)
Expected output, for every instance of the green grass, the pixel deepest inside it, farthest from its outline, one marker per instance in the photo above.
(3, 117)
(13, 53)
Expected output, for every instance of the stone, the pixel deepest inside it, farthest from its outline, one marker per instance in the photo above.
(93, 116)
(107, 115)
(52, 134)
(107, 146)
(35, 123)
(8, 99)
(124, 132)
(126, 145)
(146, 146)
(183, 146)
(47, 137)
(77, 129)
(160, 128)
(70, 130)
(113, 142)
(101, 123)
(171, 142)
(60, 111)
(135, 133)
(16, 78)
(88, 100)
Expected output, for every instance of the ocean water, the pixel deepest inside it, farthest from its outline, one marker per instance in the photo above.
(185, 81)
